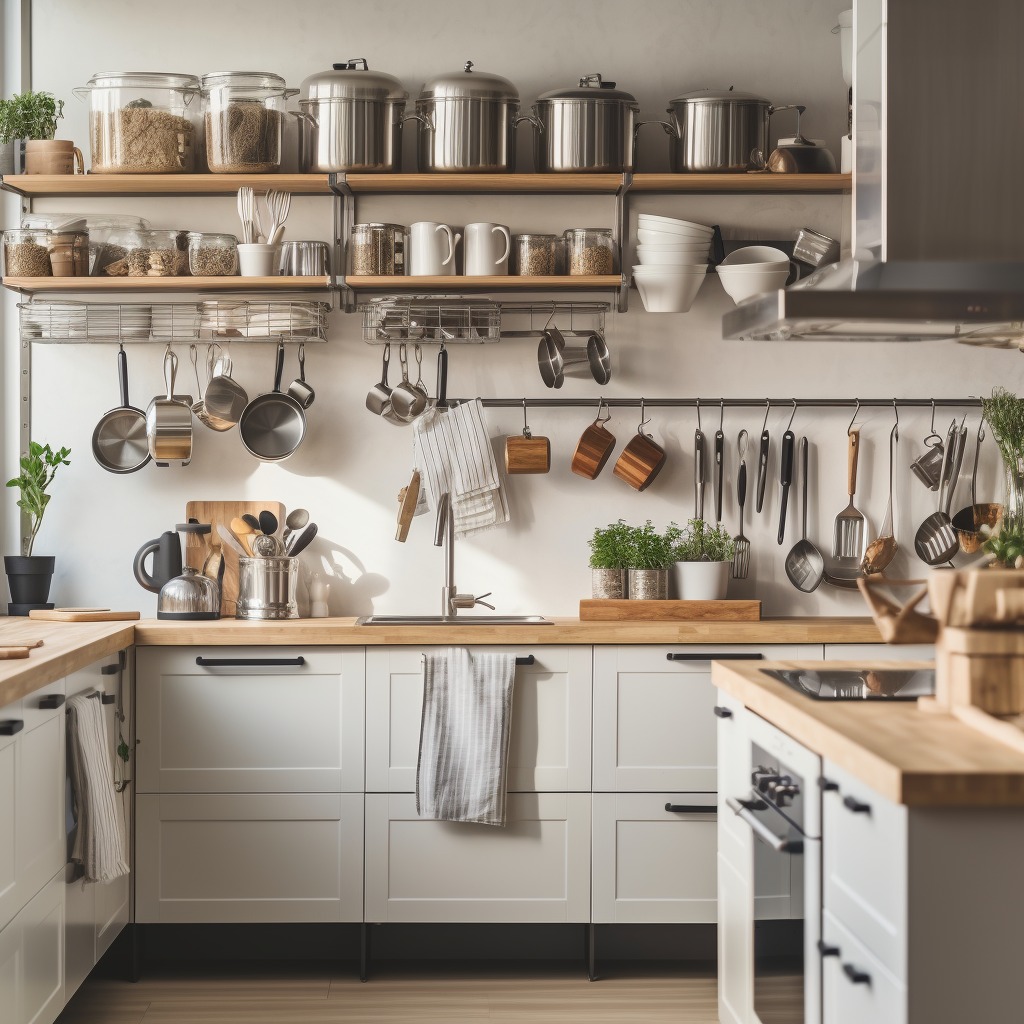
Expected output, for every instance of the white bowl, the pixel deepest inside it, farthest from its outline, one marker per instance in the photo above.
(701, 247)
(651, 236)
(755, 268)
(674, 225)
(668, 293)
(755, 254)
(741, 284)
(662, 258)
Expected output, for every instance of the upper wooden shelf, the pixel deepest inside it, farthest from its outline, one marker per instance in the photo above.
(34, 186)
(385, 184)
(105, 285)
(753, 183)
(464, 283)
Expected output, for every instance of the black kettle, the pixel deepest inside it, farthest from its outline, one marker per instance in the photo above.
(166, 551)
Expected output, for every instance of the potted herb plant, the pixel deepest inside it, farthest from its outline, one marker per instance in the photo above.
(29, 575)
(608, 557)
(1004, 413)
(649, 558)
(703, 560)
(30, 118)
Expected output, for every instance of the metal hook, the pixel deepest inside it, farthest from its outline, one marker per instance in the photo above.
(856, 412)
(554, 309)
(932, 428)
(741, 444)
(721, 415)
(600, 406)
(767, 409)
(896, 425)
(526, 426)
(643, 419)
(792, 417)
(698, 415)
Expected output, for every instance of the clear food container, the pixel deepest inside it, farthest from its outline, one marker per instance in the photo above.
(589, 251)
(142, 122)
(27, 253)
(147, 254)
(243, 118)
(534, 255)
(212, 255)
(69, 253)
(378, 249)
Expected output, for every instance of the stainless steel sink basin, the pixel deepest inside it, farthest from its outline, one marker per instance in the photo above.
(461, 620)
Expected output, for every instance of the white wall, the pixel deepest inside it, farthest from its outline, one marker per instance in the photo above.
(350, 467)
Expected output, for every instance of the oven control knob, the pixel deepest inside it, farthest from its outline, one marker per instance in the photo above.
(765, 781)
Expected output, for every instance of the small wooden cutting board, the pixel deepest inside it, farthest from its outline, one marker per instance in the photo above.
(82, 615)
(10, 653)
(28, 644)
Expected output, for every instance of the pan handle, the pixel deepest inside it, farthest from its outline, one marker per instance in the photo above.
(442, 377)
(279, 369)
(122, 375)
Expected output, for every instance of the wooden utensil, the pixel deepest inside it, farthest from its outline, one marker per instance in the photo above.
(82, 615)
(12, 653)
(527, 454)
(243, 532)
(594, 447)
(407, 498)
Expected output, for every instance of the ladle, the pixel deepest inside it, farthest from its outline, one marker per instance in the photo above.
(805, 566)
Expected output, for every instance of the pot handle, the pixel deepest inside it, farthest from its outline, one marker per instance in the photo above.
(427, 122)
(533, 118)
(305, 115)
(145, 580)
(667, 126)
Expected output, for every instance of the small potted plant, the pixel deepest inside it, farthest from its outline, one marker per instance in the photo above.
(703, 560)
(1004, 413)
(29, 575)
(649, 558)
(608, 558)
(31, 118)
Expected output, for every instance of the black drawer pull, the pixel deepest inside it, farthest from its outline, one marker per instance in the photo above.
(827, 785)
(691, 808)
(676, 656)
(107, 698)
(9, 726)
(250, 662)
(851, 803)
(826, 950)
(858, 977)
(109, 670)
(722, 712)
(526, 659)
(51, 701)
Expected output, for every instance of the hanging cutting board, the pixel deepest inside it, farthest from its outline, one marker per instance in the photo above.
(220, 513)
(82, 615)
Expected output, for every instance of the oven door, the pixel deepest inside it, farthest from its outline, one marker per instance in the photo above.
(787, 968)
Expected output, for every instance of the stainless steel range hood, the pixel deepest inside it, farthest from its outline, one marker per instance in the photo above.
(938, 225)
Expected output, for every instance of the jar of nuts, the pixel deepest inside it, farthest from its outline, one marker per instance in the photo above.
(212, 255)
(535, 255)
(27, 253)
(589, 251)
(151, 253)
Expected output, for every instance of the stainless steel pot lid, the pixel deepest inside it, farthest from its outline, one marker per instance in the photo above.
(142, 80)
(719, 96)
(468, 84)
(352, 80)
(592, 88)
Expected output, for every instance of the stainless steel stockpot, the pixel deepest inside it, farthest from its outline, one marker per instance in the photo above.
(719, 132)
(590, 128)
(350, 119)
(466, 122)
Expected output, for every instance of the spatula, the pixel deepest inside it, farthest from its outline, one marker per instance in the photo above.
(850, 527)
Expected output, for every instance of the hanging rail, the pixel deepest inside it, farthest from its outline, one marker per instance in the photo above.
(728, 403)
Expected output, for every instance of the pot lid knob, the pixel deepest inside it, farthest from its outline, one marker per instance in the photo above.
(469, 66)
(588, 81)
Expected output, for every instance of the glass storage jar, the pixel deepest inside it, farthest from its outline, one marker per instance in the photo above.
(212, 255)
(534, 255)
(378, 250)
(589, 251)
(243, 116)
(27, 253)
(69, 253)
(155, 253)
(141, 122)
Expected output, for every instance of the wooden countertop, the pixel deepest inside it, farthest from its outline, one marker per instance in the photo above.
(913, 757)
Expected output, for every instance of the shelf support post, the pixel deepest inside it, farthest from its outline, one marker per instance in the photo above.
(344, 218)
(620, 233)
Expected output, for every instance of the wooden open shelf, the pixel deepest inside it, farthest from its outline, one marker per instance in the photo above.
(39, 185)
(461, 283)
(601, 184)
(107, 285)
(751, 183)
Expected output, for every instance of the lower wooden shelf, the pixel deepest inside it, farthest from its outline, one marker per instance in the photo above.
(106, 285)
(464, 283)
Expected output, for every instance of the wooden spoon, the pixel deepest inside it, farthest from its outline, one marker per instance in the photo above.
(243, 531)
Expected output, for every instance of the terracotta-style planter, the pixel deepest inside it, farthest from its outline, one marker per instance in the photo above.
(702, 581)
(53, 156)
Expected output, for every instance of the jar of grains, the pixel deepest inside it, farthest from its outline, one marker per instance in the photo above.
(212, 255)
(152, 253)
(243, 117)
(589, 251)
(535, 255)
(142, 123)
(27, 253)
(378, 249)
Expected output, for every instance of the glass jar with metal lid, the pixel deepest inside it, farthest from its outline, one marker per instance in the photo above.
(466, 123)
(377, 250)
(142, 122)
(589, 128)
(243, 117)
(350, 119)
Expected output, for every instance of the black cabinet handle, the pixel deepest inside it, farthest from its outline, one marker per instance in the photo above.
(250, 662)
(722, 712)
(51, 701)
(826, 950)
(851, 803)
(714, 656)
(107, 698)
(690, 808)
(526, 659)
(857, 976)
(9, 726)
(110, 670)
(827, 785)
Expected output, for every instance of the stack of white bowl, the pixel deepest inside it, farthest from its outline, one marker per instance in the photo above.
(754, 270)
(673, 262)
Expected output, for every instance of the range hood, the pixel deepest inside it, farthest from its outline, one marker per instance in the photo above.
(938, 201)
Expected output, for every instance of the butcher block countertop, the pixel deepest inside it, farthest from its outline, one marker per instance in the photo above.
(914, 757)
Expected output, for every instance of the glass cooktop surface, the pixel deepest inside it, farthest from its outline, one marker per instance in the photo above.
(867, 684)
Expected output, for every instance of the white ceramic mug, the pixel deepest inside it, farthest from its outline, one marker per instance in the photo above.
(429, 256)
(482, 248)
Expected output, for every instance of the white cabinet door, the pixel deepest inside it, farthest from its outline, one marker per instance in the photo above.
(10, 719)
(249, 720)
(879, 652)
(535, 869)
(654, 723)
(41, 986)
(652, 864)
(856, 988)
(211, 858)
(735, 950)
(549, 738)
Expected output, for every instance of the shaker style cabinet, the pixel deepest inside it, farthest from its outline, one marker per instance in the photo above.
(250, 768)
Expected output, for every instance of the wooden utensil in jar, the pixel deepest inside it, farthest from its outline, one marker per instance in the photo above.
(594, 448)
(527, 454)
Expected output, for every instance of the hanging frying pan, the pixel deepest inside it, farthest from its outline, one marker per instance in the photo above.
(273, 425)
(119, 442)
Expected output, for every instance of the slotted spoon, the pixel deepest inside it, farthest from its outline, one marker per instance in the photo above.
(936, 541)
(741, 555)
(850, 526)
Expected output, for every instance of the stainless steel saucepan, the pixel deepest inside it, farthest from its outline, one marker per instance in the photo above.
(119, 442)
(169, 421)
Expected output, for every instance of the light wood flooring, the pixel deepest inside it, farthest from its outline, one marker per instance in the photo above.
(397, 993)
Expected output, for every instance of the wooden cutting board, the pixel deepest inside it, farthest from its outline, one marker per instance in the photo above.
(82, 615)
(218, 513)
(671, 611)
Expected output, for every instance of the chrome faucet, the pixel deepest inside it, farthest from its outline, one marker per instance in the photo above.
(444, 534)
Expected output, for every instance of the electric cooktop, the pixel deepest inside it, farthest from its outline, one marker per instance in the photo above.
(867, 684)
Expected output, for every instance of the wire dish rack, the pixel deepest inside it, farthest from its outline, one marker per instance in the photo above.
(439, 319)
(62, 321)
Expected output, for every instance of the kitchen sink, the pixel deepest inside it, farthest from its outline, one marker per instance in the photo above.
(461, 620)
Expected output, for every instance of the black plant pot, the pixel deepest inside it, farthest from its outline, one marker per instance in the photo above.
(29, 578)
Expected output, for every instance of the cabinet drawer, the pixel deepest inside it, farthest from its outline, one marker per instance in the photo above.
(549, 738)
(654, 722)
(856, 988)
(223, 728)
(535, 869)
(249, 858)
(651, 864)
(864, 840)
(879, 652)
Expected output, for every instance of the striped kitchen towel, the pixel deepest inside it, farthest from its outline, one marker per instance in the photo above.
(100, 845)
(462, 766)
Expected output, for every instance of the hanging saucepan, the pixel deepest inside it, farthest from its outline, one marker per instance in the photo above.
(719, 132)
(119, 442)
(169, 421)
(273, 425)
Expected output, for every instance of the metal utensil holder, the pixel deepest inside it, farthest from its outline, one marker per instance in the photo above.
(448, 320)
(267, 588)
